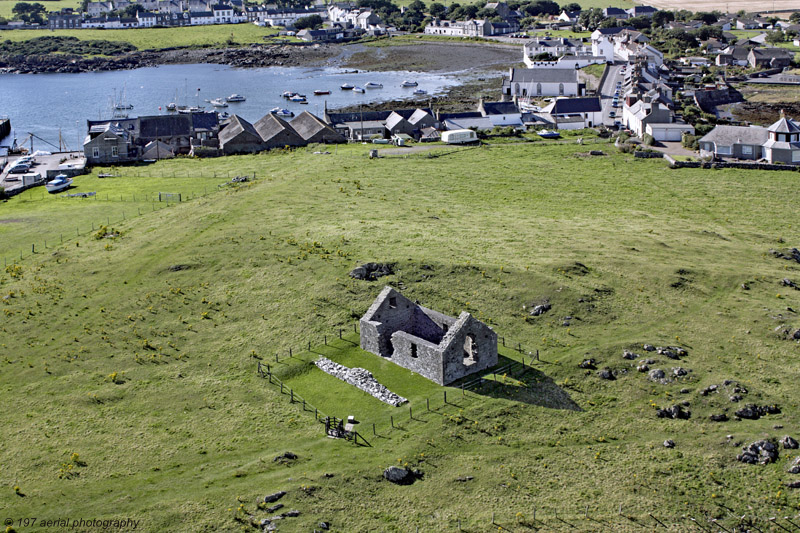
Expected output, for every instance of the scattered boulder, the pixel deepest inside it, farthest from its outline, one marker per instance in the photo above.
(271, 498)
(789, 283)
(274, 508)
(293, 513)
(588, 363)
(285, 457)
(401, 476)
(629, 355)
(793, 484)
(672, 352)
(669, 443)
(657, 375)
(178, 268)
(372, 271)
(719, 418)
(736, 398)
(679, 372)
(642, 368)
(789, 443)
(685, 391)
(754, 412)
(464, 479)
(675, 412)
(606, 373)
(708, 390)
(649, 348)
(540, 309)
(759, 452)
(795, 467)
(792, 254)
(324, 525)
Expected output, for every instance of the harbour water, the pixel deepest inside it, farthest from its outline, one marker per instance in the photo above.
(50, 105)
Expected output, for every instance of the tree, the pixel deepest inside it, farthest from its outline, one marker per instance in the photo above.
(591, 18)
(29, 13)
(416, 5)
(795, 17)
(437, 10)
(571, 7)
(311, 22)
(132, 10)
(775, 37)
(662, 17)
(707, 18)
(639, 23)
(487, 13)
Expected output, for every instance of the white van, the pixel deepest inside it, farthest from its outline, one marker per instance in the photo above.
(459, 136)
(31, 178)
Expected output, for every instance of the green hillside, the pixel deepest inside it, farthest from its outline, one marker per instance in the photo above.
(136, 346)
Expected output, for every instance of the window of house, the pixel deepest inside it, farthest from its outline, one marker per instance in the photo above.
(470, 351)
(727, 150)
(114, 151)
(95, 152)
(392, 303)
(795, 156)
(414, 350)
(747, 150)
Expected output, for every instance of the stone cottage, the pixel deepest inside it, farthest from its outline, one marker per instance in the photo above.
(439, 347)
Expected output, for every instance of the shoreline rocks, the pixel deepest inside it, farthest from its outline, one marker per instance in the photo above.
(252, 56)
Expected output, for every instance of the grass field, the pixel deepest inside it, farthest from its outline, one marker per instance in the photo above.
(157, 38)
(137, 351)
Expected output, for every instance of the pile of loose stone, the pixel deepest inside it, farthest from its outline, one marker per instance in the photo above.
(361, 379)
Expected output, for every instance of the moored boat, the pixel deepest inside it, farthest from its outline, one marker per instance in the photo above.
(358, 90)
(59, 183)
(320, 92)
(219, 102)
(236, 98)
(420, 91)
(407, 83)
(373, 85)
(347, 87)
(172, 106)
(278, 112)
(298, 98)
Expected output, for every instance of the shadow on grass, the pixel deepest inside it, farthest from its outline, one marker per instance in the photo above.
(523, 384)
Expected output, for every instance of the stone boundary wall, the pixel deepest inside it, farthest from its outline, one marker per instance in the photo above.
(726, 164)
(361, 379)
(648, 155)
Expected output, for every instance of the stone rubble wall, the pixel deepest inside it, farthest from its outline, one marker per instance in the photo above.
(361, 379)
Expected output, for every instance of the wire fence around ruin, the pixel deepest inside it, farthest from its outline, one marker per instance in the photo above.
(336, 427)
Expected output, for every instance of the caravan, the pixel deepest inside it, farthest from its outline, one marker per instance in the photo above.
(459, 136)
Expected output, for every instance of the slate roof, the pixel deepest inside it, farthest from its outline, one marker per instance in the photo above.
(271, 125)
(236, 126)
(500, 108)
(338, 118)
(785, 125)
(307, 125)
(418, 115)
(393, 120)
(730, 135)
(544, 75)
(574, 105)
(165, 126)
(205, 121)
(771, 53)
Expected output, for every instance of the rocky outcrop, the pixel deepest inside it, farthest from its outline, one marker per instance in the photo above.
(361, 379)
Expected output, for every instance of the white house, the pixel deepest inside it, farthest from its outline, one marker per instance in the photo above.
(540, 82)
(574, 113)
(223, 14)
(201, 18)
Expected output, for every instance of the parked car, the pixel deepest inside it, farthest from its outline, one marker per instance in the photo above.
(19, 168)
(612, 114)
